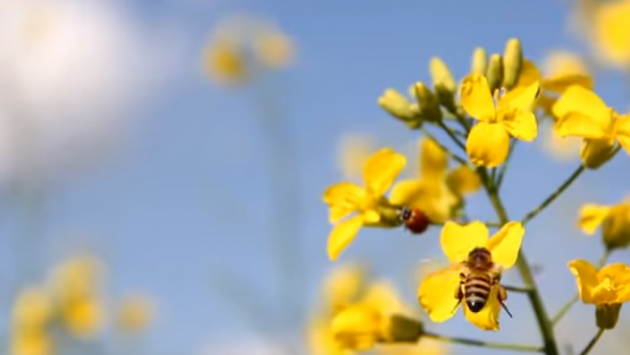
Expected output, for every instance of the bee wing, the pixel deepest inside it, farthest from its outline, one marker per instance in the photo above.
(437, 292)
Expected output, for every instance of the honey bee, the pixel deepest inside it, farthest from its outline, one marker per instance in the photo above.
(478, 276)
(415, 220)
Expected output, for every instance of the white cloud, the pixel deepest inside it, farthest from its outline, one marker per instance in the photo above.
(71, 74)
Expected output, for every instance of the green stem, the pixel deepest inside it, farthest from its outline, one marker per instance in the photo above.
(474, 342)
(593, 341)
(567, 306)
(554, 195)
(499, 180)
(551, 348)
(458, 158)
(517, 289)
(452, 135)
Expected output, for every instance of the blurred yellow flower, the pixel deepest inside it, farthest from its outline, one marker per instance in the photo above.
(607, 289)
(346, 198)
(424, 347)
(614, 220)
(581, 113)
(224, 62)
(82, 317)
(436, 291)
(135, 313)
(436, 191)
(31, 342)
(343, 285)
(33, 309)
(489, 140)
(611, 36)
(353, 151)
(321, 340)
(274, 49)
(561, 148)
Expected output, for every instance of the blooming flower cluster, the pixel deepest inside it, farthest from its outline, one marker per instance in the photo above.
(502, 100)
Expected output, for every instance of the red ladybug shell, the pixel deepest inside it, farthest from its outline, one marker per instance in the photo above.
(415, 220)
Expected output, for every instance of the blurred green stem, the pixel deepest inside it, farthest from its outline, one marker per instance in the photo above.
(567, 306)
(550, 348)
(484, 344)
(503, 168)
(593, 341)
(452, 135)
(554, 195)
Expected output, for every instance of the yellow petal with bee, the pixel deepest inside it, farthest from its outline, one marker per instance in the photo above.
(488, 317)
(459, 240)
(506, 243)
(436, 293)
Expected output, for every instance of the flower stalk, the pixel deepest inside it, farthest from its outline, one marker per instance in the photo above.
(483, 344)
(592, 343)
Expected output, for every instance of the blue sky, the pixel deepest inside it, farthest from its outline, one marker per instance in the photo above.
(189, 199)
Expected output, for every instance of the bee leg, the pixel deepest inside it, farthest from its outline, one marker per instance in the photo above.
(502, 295)
(459, 295)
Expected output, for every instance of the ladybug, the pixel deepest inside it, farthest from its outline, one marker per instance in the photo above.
(415, 220)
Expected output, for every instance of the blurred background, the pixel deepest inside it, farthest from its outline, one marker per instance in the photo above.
(162, 164)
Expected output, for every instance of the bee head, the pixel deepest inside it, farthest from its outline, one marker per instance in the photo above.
(480, 256)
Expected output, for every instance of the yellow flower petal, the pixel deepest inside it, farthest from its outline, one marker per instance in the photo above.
(592, 216)
(619, 275)
(488, 317)
(522, 126)
(436, 293)
(405, 192)
(561, 83)
(342, 235)
(529, 74)
(519, 101)
(488, 144)
(343, 199)
(477, 98)
(581, 112)
(433, 160)
(506, 243)
(622, 132)
(612, 31)
(382, 295)
(343, 284)
(433, 198)
(463, 180)
(381, 170)
(586, 278)
(357, 327)
(320, 339)
(459, 240)
(596, 152)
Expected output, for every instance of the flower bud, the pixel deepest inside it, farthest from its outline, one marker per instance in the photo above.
(397, 105)
(479, 63)
(403, 329)
(428, 103)
(616, 227)
(607, 315)
(594, 153)
(444, 84)
(495, 72)
(512, 62)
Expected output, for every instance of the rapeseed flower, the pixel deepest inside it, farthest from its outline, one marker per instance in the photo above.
(611, 32)
(510, 115)
(424, 347)
(32, 314)
(135, 313)
(581, 113)
(436, 191)
(436, 291)
(607, 289)
(365, 202)
(613, 219)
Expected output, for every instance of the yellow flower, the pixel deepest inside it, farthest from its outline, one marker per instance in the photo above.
(83, 318)
(436, 192)
(76, 278)
(135, 313)
(607, 289)
(31, 342)
(321, 340)
(489, 140)
(561, 148)
(273, 49)
(612, 32)
(353, 151)
(581, 113)
(224, 62)
(615, 222)
(343, 285)
(33, 308)
(436, 293)
(346, 198)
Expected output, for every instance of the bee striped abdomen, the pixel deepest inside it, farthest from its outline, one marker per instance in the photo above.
(476, 291)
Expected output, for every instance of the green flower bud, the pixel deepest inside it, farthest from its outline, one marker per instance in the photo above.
(428, 103)
(444, 84)
(607, 315)
(403, 329)
(512, 62)
(479, 64)
(495, 72)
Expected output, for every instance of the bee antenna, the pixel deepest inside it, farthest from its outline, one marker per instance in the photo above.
(506, 309)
